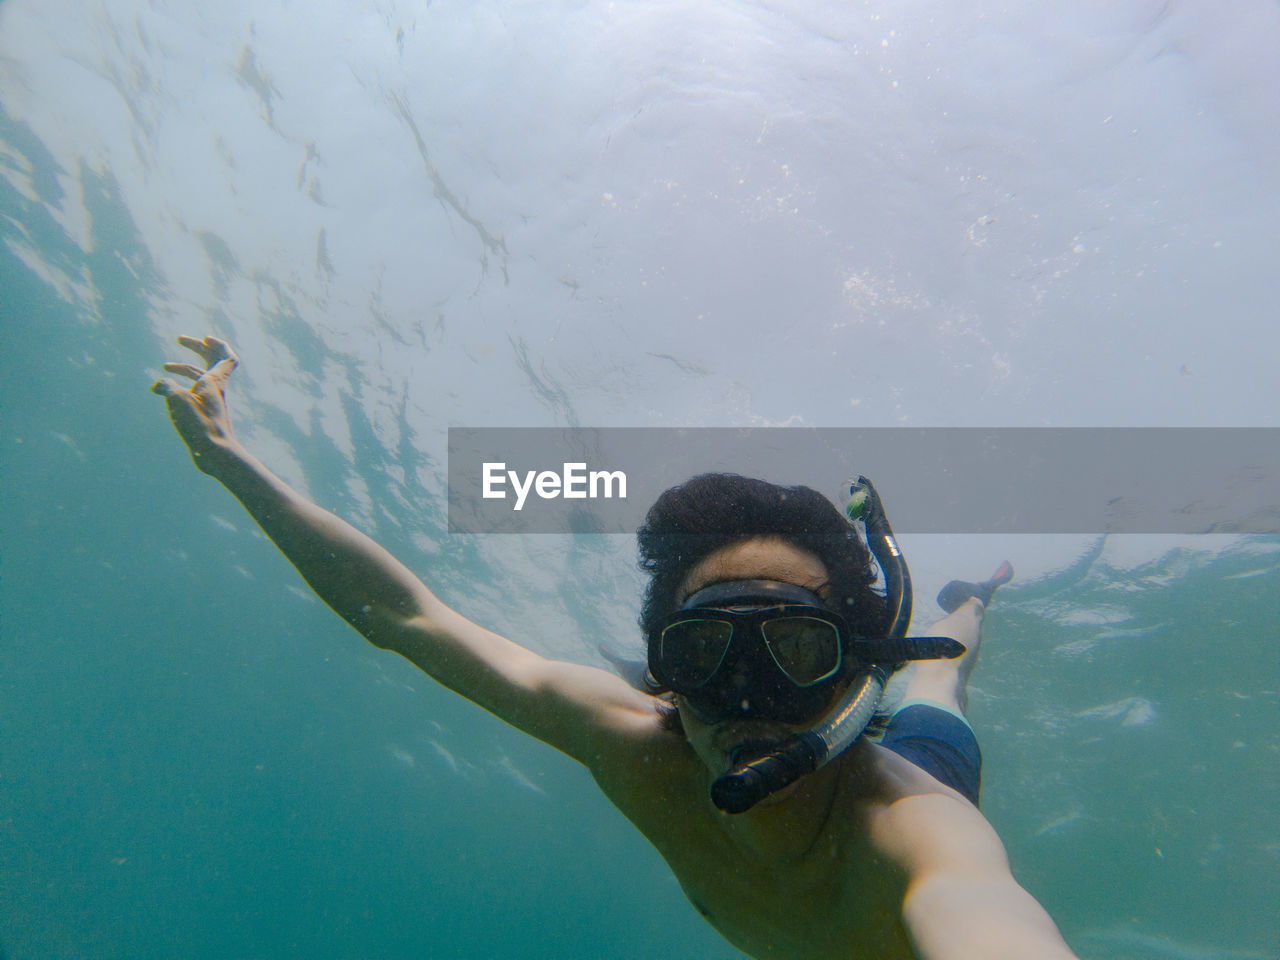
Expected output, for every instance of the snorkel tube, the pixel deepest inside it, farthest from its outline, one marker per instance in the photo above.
(755, 777)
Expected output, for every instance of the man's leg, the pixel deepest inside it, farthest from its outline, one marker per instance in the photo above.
(929, 727)
(945, 682)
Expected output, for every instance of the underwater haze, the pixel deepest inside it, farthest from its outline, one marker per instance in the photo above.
(412, 216)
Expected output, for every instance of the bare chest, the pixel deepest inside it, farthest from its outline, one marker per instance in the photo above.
(832, 900)
(800, 880)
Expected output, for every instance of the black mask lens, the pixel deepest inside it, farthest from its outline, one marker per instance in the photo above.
(692, 650)
(806, 649)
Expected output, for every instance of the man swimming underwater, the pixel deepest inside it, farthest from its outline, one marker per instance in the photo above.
(758, 614)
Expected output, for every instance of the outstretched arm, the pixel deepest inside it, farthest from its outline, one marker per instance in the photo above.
(962, 902)
(578, 709)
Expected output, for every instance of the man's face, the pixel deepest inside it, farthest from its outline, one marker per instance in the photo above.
(761, 558)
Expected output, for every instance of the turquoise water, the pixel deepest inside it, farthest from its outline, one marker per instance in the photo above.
(197, 760)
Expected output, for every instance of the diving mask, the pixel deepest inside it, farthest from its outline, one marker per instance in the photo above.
(752, 648)
(769, 650)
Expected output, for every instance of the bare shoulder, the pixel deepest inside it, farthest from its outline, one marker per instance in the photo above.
(923, 825)
(648, 761)
(652, 775)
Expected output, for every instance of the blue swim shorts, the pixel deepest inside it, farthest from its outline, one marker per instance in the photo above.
(939, 742)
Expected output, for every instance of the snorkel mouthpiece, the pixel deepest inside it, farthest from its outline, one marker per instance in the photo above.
(755, 777)
(751, 781)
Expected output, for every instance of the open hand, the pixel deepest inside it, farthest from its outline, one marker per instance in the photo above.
(199, 414)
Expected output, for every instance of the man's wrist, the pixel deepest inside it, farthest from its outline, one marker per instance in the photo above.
(222, 459)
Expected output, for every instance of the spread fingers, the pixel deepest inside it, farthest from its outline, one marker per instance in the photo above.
(188, 370)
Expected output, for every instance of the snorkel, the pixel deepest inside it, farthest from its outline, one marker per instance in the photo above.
(756, 775)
